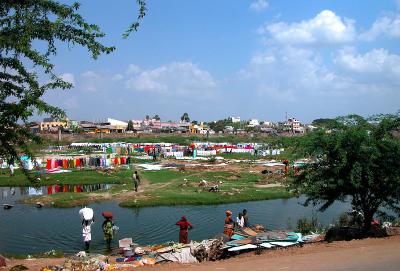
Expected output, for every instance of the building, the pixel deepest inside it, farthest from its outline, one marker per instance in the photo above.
(235, 119)
(294, 126)
(253, 123)
(53, 125)
(115, 126)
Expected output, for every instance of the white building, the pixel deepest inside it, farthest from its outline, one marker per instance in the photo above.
(235, 119)
(294, 126)
(253, 123)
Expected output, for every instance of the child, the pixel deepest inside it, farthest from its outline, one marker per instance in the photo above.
(87, 233)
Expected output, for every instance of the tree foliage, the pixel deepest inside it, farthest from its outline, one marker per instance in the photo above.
(130, 126)
(358, 161)
(185, 117)
(29, 33)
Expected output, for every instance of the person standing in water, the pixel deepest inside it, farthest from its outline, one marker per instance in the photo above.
(108, 231)
(87, 233)
(228, 224)
(245, 218)
(184, 226)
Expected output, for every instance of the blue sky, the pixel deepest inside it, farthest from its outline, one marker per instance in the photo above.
(253, 59)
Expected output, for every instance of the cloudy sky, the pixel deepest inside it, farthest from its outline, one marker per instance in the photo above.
(253, 59)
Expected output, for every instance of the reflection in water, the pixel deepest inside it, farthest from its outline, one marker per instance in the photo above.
(52, 228)
(54, 189)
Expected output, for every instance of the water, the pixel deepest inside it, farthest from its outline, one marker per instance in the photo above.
(25, 229)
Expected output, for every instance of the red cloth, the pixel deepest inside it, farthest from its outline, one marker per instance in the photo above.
(78, 162)
(123, 160)
(184, 227)
(48, 164)
(56, 163)
(49, 190)
(65, 163)
(56, 187)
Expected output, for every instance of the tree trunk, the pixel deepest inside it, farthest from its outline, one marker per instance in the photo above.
(368, 216)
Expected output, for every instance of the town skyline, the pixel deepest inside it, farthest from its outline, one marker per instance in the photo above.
(257, 59)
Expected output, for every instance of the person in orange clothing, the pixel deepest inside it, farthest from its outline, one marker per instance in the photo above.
(184, 227)
(228, 226)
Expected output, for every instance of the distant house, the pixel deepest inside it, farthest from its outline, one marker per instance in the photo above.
(229, 130)
(116, 126)
(235, 119)
(53, 125)
(253, 123)
(294, 126)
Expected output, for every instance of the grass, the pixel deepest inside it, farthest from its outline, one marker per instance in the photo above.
(235, 188)
(164, 187)
(74, 177)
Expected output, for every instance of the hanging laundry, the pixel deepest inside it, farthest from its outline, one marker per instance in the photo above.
(48, 164)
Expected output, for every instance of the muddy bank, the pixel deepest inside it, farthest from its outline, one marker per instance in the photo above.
(366, 254)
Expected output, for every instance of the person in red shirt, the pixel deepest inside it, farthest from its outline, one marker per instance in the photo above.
(184, 226)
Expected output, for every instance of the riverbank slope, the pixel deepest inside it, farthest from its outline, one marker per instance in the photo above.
(367, 254)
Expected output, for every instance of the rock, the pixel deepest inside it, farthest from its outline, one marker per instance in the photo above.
(2, 261)
(343, 234)
(393, 231)
(19, 267)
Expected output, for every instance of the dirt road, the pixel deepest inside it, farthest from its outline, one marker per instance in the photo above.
(369, 254)
(358, 255)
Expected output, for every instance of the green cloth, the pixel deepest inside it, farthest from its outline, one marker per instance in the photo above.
(107, 230)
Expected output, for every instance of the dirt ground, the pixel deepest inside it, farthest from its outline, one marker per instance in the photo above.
(369, 254)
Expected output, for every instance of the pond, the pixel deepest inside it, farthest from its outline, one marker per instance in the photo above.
(25, 229)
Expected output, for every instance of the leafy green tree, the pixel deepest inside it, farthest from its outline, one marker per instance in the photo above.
(130, 125)
(157, 117)
(357, 161)
(324, 123)
(185, 117)
(23, 25)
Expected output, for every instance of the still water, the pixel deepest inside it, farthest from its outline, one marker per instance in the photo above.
(25, 229)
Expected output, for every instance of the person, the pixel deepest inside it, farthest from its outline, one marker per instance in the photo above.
(184, 227)
(154, 155)
(228, 226)
(240, 221)
(245, 218)
(87, 233)
(11, 170)
(108, 230)
(136, 180)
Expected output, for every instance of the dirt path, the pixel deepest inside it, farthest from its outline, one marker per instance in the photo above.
(368, 254)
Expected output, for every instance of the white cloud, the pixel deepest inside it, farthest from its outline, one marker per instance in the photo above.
(377, 61)
(386, 25)
(68, 77)
(91, 81)
(259, 5)
(178, 78)
(117, 77)
(132, 69)
(325, 28)
(285, 73)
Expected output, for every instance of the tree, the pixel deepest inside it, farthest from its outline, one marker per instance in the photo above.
(357, 161)
(156, 117)
(185, 117)
(130, 126)
(24, 25)
(324, 123)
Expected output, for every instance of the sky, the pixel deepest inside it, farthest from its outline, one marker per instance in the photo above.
(254, 59)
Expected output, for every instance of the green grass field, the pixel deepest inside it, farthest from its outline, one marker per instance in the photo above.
(164, 187)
